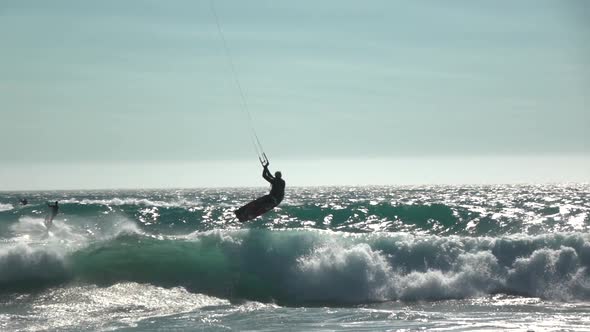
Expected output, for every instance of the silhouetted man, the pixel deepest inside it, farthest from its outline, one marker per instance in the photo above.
(277, 190)
(266, 202)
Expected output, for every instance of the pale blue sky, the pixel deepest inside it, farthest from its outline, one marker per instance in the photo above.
(133, 84)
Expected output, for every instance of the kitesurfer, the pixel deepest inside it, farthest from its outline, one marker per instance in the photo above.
(266, 202)
(54, 210)
(277, 190)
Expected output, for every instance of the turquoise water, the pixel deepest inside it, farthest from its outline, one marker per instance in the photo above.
(335, 258)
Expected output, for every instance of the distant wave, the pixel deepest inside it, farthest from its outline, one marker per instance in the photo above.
(322, 267)
(131, 201)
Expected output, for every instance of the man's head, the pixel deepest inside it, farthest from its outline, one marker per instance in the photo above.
(278, 174)
(55, 202)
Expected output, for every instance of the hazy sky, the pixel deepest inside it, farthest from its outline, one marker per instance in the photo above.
(140, 93)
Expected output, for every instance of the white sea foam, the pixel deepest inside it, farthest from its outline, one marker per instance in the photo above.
(133, 201)
(451, 267)
(124, 304)
(6, 207)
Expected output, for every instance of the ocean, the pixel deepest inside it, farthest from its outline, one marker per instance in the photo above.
(452, 258)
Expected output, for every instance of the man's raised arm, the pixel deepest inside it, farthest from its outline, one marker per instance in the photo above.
(266, 174)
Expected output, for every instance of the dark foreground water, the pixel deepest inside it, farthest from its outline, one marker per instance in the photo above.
(348, 258)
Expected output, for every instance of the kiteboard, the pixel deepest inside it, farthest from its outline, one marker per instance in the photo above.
(255, 208)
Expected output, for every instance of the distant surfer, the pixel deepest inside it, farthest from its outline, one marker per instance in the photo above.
(52, 213)
(24, 201)
(266, 202)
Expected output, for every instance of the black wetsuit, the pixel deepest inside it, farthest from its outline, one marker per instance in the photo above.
(277, 191)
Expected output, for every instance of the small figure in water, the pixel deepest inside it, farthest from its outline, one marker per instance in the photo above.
(24, 201)
(266, 202)
(53, 213)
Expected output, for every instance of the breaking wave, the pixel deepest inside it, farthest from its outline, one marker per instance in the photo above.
(314, 267)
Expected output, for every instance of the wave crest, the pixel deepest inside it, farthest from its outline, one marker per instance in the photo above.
(23, 267)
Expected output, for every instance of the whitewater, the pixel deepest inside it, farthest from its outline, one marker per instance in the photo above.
(459, 258)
